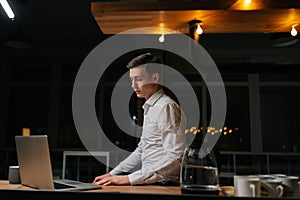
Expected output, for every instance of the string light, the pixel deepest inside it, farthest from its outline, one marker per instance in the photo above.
(195, 29)
(161, 38)
(294, 31)
(212, 130)
(199, 30)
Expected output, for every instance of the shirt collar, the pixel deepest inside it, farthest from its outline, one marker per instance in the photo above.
(152, 100)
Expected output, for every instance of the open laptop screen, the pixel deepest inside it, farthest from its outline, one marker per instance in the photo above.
(35, 165)
(34, 161)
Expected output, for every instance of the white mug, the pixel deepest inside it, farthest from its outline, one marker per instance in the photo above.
(272, 188)
(291, 186)
(235, 182)
(237, 177)
(299, 187)
(263, 176)
(278, 175)
(247, 187)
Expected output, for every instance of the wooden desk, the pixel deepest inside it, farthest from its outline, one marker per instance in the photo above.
(5, 185)
(148, 189)
(150, 192)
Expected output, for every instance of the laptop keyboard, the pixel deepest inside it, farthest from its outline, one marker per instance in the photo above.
(61, 186)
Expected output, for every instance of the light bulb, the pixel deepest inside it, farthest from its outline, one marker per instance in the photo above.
(199, 30)
(294, 31)
(161, 38)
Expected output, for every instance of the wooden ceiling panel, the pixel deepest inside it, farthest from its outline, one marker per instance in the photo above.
(265, 16)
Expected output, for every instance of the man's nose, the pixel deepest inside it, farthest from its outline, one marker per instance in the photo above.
(133, 84)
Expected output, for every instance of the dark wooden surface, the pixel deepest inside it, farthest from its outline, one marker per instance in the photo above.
(17, 191)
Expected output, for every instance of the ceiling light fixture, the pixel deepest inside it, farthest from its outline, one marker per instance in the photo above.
(18, 41)
(294, 30)
(7, 9)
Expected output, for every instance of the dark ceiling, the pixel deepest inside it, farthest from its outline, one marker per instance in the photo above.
(50, 26)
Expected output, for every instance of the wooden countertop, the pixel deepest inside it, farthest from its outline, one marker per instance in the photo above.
(146, 189)
(143, 189)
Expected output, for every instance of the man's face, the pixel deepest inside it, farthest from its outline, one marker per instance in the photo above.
(143, 84)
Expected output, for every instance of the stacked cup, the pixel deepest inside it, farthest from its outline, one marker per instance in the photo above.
(275, 185)
(246, 186)
(290, 184)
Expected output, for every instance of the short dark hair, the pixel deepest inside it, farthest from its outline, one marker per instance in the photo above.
(146, 58)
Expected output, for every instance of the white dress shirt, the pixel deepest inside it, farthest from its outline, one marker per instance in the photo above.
(161, 145)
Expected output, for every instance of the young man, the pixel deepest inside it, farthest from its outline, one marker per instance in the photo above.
(162, 143)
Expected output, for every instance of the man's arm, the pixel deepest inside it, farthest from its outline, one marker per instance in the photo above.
(112, 178)
(133, 160)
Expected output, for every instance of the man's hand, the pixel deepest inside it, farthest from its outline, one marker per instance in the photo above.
(98, 178)
(108, 179)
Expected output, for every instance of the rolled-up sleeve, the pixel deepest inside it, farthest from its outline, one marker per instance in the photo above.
(133, 160)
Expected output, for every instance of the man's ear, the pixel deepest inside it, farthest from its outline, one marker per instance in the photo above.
(155, 77)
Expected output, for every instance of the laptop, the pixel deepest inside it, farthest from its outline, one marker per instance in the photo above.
(35, 166)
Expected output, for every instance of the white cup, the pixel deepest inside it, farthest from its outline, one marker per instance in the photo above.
(14, 175)
(291, 186)
(278, 175)
(247, 187)
(299, 187)
(263, 176)
(272, 188)
(235, 182)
